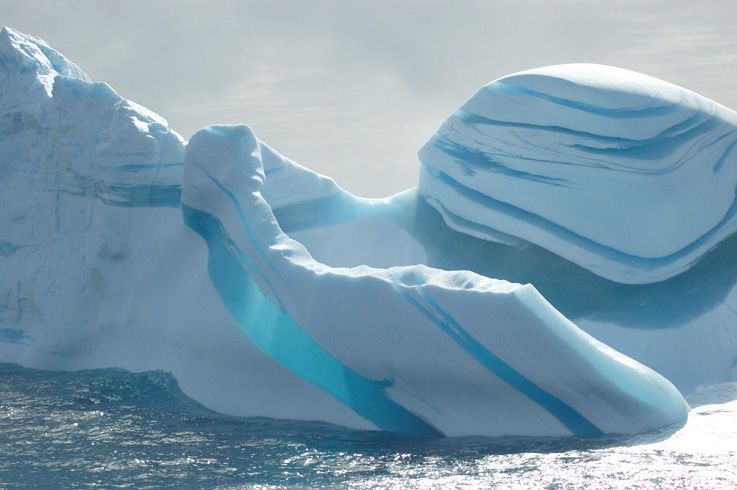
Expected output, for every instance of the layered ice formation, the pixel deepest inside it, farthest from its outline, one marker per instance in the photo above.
(359, 324)
(626, 175)
(267, 290)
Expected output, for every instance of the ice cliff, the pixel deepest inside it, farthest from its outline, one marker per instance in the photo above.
(488, 301)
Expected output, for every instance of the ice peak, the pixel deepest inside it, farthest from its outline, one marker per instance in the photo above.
(26, 56)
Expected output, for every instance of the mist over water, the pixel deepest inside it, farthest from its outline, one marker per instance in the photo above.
(353, 89)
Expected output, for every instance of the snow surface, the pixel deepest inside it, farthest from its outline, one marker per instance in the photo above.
(267, 290)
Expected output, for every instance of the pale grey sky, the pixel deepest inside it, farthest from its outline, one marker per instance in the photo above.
(353, 89)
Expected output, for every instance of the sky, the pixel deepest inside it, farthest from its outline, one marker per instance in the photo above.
(353, 89)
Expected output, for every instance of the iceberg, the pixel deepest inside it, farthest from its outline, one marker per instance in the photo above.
(623, 174)
(463, 329)
(268, 290)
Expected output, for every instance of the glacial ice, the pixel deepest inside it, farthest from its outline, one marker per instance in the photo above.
(624, 174)
(267, 290)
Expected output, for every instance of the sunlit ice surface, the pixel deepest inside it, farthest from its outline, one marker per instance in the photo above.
(267, 290)
(109, 428)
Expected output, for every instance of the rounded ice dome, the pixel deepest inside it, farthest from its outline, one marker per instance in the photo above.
(624, 174)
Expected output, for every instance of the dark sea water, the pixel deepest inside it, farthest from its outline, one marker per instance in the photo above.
(110, 428)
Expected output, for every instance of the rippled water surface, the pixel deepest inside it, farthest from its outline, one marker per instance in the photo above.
(110, 428)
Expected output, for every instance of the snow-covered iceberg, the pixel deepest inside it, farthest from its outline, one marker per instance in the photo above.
(626, 175)
(270, 291)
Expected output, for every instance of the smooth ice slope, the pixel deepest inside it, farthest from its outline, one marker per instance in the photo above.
(626, 175)
(452, 352)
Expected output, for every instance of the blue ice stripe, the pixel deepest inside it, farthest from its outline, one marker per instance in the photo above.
(727, 151)
(141, 167)
(617, 113)
(7, 248)
(564, 413)
(319, 212)
(131, 196)
(656, 147)
(570, 236)
(275, 333)
(469, 159)
(242, 217)
(13, 336)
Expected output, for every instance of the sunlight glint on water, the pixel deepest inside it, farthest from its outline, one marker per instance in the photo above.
(109, 427)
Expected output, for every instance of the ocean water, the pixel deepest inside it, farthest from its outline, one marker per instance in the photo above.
(110, 428)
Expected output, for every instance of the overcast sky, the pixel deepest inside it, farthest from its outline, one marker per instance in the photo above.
(353, 89)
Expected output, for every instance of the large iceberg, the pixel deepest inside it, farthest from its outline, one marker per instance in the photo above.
(270, 291)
